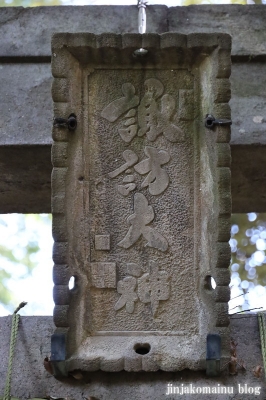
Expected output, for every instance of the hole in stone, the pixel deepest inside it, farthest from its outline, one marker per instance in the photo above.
(213, 283)
(142, 348)
(81, 178)
(72, 283)
(140, 52)
(72, 122)
(210, 283)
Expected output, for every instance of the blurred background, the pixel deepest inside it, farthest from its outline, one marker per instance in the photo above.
(26, 263)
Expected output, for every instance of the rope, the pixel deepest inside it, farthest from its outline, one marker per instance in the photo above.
(262, 326)
(13, 337)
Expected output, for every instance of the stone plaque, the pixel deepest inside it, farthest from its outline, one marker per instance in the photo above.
(141, 199)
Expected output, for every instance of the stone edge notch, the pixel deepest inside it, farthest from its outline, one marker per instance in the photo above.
(222, 110)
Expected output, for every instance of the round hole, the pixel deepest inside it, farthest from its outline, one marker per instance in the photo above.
(72, 283)
(72, 122)
(142, 348)
(209, 283)
(140, 52)
(81, 178)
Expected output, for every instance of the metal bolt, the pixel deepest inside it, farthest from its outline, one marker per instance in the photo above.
(211, 121)
(70, 123)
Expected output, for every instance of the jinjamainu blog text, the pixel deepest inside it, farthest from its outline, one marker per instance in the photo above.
(173, 389)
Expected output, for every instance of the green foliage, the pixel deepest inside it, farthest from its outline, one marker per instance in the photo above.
(31, 248)
(30, 3)
(19, 248)
(5, 294)
(248, 255)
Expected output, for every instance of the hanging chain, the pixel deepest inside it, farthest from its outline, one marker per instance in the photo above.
(13, 337)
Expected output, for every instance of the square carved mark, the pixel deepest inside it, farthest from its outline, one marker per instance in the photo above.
(103, 275)
(102, 242)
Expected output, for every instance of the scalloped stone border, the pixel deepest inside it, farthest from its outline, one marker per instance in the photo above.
(166, 49)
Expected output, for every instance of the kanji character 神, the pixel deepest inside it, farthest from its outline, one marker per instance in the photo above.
(126, 288)
(153, 287)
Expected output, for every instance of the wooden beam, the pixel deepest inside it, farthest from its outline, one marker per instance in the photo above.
(248, 178)
(25, 179)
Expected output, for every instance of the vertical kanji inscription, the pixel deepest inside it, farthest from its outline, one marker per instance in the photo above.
(141, 199)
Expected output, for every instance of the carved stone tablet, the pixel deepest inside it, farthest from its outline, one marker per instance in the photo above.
(141, 199)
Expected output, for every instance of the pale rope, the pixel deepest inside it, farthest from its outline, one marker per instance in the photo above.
(13, 337)
(262, 326)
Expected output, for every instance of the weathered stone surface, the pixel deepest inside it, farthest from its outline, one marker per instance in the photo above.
(248, 103)
(27, 115)
(236, 20)
(20, 37)
(145, 186)
(31, 380)
(26, 107)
